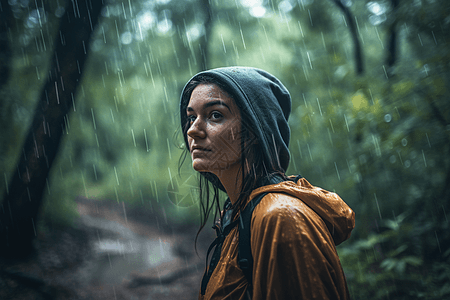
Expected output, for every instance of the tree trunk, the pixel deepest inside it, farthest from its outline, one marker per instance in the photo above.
(6, 20)
(23, 198)
(204, 57)
(392, 50)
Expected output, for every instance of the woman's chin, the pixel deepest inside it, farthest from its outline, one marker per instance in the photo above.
(199, 166)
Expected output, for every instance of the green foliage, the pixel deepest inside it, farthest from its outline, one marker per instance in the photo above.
(380, 140)
(392, 264)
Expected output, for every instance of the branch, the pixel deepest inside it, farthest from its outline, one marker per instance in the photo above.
(359, 64)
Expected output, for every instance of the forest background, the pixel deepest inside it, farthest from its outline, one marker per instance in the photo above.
(370, 114)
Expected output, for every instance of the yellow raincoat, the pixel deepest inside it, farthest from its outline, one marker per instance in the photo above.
(294, 230)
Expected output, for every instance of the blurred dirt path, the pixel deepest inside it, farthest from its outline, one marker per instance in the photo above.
(110, 253)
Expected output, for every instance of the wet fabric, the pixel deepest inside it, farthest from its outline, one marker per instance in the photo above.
(294, 231)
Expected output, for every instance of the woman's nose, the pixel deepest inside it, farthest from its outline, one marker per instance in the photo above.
(196, 129)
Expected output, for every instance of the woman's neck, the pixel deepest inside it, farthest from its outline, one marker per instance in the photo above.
(231, 180)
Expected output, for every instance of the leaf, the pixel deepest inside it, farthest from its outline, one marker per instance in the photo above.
(413, 260)
(398, 250)
(389, 263)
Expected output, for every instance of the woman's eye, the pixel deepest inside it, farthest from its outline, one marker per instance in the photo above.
(216, 115)
(191, 119)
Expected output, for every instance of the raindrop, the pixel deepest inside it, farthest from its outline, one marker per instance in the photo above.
(400, 156)
(6, 184)
(96, 45)
(378, 206)
(112, 115)
(309, 59)
(96, 138)
(117, 177)
(392, 159)
(93, 118)
(425, 70)
(428, 140)
(407, 163)
(146, 20)
(36, 16)
(258, 11)
(134, 139)
(331, 123)
(95, 172)
(285, 6)
(387, 118)
(346, 123)
(242, 36)
(84, 185)
(337, 171)
(420, 39)
(165, 25)
(424, 159)
(251, 3)
(404, 142)
(320, 109)
(194, 32)
(223, 44)
(124, 212)
(341, 71)
(376, 8)
(126, 38)
(310, 18)
(146, 141)
(385, 72)
(377, 19)
(437, 239)
(309, 150)
(434, 37)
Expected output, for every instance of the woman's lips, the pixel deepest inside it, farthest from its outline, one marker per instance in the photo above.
(199, 150)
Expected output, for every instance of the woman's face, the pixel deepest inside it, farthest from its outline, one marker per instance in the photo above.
(214, 130)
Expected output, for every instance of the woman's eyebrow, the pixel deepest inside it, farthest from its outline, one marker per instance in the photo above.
(211, 103)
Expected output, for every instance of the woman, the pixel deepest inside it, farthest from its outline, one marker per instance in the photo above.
(235, 126)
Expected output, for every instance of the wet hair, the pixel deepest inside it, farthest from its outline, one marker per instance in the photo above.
(253, 168)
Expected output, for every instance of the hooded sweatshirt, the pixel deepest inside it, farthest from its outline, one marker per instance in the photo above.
(294, 230)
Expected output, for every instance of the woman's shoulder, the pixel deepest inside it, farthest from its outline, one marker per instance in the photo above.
(285, 218)
(282, 207)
